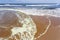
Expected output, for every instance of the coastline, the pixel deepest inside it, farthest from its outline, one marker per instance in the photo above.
(53, 33)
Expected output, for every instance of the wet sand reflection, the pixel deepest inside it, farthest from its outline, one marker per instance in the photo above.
(53, 33)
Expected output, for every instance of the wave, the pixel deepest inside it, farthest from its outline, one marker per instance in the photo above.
(42, 12)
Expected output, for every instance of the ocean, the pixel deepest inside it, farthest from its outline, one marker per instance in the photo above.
(35, 8)
(45, 16)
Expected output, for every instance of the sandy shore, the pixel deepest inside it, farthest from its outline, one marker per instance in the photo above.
(48, 27)
(53, 32)
(42, 22)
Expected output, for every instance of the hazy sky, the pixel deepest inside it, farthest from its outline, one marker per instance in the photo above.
(31, 1)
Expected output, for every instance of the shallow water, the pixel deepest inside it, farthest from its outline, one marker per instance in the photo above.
(47, 22)
(52, 33)
(41, 18)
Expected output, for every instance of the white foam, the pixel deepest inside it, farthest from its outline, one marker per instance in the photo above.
(39, 12)
(28, 26)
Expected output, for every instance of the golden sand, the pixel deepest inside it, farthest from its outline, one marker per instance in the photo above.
(42, 22)
(53, 33)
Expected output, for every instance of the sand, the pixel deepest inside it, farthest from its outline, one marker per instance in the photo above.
(53, 32)
(44, 22)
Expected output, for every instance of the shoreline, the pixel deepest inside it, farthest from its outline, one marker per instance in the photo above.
(41, 24)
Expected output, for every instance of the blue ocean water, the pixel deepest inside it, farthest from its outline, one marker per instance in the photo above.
(35, 7)
(30, 5)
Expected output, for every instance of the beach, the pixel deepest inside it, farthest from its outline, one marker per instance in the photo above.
(47, 23)
(52, 33)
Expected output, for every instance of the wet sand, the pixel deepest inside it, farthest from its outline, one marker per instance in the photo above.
(42, 22)
(53, 33)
